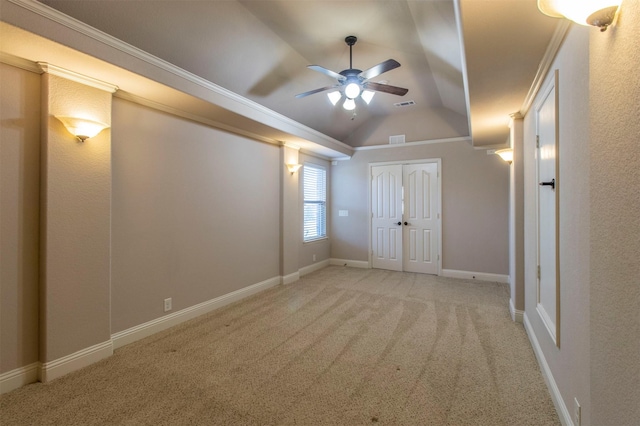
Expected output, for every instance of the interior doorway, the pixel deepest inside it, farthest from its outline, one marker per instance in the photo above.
(405, 216)
(547, 197)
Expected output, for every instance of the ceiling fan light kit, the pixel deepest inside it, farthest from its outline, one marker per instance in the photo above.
(355, 84)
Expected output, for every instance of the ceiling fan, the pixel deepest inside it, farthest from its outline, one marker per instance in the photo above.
(354, 82)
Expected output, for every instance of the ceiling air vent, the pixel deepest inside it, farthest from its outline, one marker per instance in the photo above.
(404, 104)
(395, 140)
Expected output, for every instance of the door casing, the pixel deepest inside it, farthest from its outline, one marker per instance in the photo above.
(437, 161)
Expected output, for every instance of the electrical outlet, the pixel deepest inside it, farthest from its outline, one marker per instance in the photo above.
(314, 257)
(167, 305)
(577, 412)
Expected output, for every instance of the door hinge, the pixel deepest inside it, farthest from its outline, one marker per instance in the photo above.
(538, 271)
(537, 141)
(438, 257)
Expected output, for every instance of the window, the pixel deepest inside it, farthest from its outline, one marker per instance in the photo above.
(314, 180)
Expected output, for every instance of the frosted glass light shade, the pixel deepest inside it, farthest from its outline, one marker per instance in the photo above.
(599, 13)
(293, 167)
(506, 154)
(367, 95)
(352, 90)
(349, 104)
(82, 128)
(334, 97)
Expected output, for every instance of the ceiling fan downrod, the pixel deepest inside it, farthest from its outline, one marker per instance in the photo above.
(351, 40)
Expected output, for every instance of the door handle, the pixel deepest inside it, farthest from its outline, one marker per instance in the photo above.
(551, 183)
(406, 223)
(399, 223)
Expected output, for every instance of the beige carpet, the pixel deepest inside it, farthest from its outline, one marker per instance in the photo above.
(342, 346)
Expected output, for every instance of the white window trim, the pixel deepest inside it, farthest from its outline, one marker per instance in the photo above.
(308, 165)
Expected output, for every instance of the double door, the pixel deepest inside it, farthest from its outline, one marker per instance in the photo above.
(405, 219)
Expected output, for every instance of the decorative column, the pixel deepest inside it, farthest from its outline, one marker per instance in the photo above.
(75, 247)
(516, 218)
(290, 215)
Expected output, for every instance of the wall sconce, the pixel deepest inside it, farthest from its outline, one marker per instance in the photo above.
(599, 13)
(82, 128)
(293, 167)
(506, 154)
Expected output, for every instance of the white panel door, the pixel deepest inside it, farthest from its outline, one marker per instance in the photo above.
(386, 219)
(420, 237)
(547, 189)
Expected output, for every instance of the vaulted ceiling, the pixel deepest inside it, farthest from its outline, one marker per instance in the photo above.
(467, 64)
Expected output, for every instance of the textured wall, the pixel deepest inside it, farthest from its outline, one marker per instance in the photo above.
(569, 364)
(475, 205)
(196, 213)
(615, 220)
(76, 222)
(19, 216)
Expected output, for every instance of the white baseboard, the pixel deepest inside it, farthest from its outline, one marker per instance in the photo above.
(148, 328)
(556, 396)
(19, 377)
(480, 276)
(312, 268)
(352, 263)
(291, 278)
(77, 360)
(516, 314)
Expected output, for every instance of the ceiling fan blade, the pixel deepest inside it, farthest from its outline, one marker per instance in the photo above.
(325, 71)
(376, 70)
(311, 92)
(394, 90)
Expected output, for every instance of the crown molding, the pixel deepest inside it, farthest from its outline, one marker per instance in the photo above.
(545, 64)
(77, 77)
(25, 64)
(193, 117)
(108, 40)
(411, 144)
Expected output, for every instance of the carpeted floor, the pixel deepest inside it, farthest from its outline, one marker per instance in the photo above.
(342, 346)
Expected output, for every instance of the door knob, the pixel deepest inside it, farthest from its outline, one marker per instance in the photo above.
(551, 183)
(406, 223)
(399, 223)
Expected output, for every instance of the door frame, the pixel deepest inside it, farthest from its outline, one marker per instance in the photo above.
(438, 161)
(550, 91)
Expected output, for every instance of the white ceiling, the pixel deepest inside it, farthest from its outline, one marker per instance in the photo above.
(260, 49)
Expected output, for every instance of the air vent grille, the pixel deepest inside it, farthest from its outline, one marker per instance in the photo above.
(397, 139)
(404, 104)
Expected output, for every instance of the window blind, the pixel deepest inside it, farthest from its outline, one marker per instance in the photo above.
(315, 202)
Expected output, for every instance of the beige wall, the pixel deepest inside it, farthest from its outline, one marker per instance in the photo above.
(19, 216)
(196, 213)
(75, 233)
(475, 205)
(570, 363)
(614, 264)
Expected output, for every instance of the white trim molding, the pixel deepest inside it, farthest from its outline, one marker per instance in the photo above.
(480, 276)
(77, 77)
(290, 278)
(314, 267)
(556, 396)
(59, 367)
(15, 61)
(352, 263)
(141, 331)
(415, 143)
(225, 98)
(516, 314)
(19, 377)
